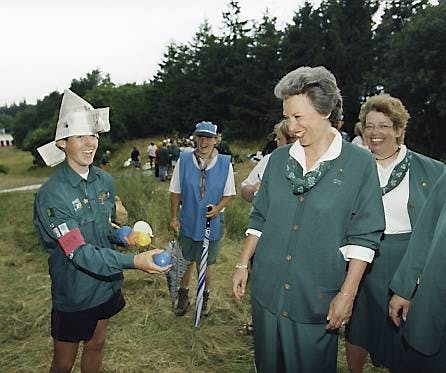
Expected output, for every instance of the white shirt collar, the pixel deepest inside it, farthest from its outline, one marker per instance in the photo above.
(334, 150)
(85, 175)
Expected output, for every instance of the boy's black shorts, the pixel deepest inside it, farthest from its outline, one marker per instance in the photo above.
(80, 326)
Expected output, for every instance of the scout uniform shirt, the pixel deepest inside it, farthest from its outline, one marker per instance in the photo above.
(298, 261)
(66, 206)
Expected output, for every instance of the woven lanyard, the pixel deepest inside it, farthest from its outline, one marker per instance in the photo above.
(397, 174)
(302, 184)
(202, 180)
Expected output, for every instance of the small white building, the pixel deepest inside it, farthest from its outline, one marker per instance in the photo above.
(5, 138)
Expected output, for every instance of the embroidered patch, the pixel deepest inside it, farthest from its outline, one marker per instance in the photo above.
(71, 241)
(76, 204)
(63, 228)
(103, 197)
(57, 232)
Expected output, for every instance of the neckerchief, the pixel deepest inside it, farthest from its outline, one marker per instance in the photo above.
(202, 165)
(397, 174)
(302, 184)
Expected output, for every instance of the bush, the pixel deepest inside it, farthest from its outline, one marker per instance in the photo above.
(3, 169)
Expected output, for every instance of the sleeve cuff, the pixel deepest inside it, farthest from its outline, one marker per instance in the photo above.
(357, 252)
(254, 232)
(127, 260)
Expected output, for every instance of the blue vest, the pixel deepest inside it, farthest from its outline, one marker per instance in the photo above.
(193, 209)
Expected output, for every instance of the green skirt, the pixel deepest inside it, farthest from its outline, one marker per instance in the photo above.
(283, 345)
(370, 326)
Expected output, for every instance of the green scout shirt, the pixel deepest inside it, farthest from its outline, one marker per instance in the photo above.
(297, 259)
(425, 260)
(94, 272)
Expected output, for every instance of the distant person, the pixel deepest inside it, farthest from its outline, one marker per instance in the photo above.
(222, 146)
(338, 125)
(151, 153)
(174, 154)
(359, 137)
(136, 158)
(157, 159)
(201, 179)
(251, 184)
(72, 214)
(104, 162)
(271, 145)
(163, 161)
(406, 179)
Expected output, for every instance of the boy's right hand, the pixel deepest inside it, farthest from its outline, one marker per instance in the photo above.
(144, 262)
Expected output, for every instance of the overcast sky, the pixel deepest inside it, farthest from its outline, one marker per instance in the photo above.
(47, 43)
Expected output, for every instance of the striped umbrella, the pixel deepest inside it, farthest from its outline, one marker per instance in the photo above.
(202, 273)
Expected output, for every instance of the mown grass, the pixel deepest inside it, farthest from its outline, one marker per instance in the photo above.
(20, 170)
(146, 336)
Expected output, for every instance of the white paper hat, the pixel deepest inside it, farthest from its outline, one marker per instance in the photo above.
(76, 117)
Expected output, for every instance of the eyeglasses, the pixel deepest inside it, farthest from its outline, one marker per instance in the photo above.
(383, 127)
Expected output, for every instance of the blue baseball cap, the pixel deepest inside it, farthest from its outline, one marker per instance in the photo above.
(207, 129)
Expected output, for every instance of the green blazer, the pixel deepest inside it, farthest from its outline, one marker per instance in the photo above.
(297, 260)
(423, 174)
(425, 259)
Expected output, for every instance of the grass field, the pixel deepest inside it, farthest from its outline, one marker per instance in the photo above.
(146, 336)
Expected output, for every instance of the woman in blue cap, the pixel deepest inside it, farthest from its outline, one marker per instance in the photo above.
(202, 180)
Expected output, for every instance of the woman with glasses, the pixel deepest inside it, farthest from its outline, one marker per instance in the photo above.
(316, 221)
(406, 179)
(203, 181)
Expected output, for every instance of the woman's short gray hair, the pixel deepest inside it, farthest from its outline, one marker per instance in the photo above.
(320, 86)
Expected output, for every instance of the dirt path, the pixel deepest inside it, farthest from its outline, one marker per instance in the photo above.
(22, 188)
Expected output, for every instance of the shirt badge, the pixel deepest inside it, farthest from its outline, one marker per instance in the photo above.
(76, 204)
(102, 197)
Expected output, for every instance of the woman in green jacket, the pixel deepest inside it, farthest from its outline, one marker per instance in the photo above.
(406, 179)
(419, 289)
(316, 221)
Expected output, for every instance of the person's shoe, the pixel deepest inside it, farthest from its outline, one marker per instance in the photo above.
(183, 302)
(205, 308)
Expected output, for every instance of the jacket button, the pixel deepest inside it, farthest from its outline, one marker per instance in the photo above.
(301, 199)
(287, 286)
(285, 313)
(295, 227)
(288, 258)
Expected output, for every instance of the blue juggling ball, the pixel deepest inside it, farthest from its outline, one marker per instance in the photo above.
(123, 232)
(162, 259)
